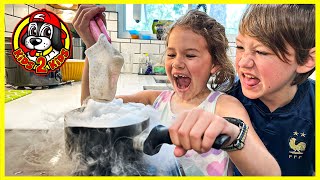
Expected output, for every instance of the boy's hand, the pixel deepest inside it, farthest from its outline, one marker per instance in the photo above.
(82, 19)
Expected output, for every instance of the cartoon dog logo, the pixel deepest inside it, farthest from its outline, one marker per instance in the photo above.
(41, 42)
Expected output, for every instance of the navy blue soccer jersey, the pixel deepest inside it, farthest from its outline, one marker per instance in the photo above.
(289, 131)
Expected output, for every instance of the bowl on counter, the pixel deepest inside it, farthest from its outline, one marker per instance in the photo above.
(72, 69)
(146, 36)
(134, 34)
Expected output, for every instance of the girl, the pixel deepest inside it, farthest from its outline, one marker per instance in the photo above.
(196, 50)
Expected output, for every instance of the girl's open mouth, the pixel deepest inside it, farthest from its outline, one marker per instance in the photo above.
(182, 81)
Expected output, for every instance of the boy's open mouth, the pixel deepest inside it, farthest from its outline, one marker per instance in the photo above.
(250, 80)
(182, 81)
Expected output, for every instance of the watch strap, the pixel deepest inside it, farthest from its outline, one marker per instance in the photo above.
(238, 143)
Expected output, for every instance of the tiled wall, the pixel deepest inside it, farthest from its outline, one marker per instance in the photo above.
(15, 12)
(131, 49)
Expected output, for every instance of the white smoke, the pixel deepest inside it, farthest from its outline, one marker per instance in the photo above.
(91, 149)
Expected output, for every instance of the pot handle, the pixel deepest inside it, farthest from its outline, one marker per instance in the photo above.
(160, 135)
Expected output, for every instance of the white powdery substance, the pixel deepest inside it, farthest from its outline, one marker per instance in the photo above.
(110, 114)
(105, 63)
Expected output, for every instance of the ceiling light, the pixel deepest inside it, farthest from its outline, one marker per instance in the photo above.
(66, 5)
(66, 15)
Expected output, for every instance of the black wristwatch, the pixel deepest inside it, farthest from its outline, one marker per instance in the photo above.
(238, 143)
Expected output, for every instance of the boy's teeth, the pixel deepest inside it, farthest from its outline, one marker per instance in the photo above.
(248, 76)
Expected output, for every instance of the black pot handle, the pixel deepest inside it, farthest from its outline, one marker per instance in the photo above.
(160, 135)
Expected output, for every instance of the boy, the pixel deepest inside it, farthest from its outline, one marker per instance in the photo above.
(275, 56)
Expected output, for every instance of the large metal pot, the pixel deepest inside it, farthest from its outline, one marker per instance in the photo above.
(101, 150)
(109, 150)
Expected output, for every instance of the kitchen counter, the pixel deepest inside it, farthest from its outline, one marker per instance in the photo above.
(21, 160)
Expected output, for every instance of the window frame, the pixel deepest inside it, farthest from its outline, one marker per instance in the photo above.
(123, 33)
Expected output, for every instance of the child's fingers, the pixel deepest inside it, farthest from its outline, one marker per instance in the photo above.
(79, 11)
(102, 16)
(91, 13)
(185, 128)
(214, 129)
(179, 151)
(81, 22)
(174, 128)
(199, 129)
(86, 13)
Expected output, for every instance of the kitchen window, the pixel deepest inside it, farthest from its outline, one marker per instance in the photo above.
(227, 14)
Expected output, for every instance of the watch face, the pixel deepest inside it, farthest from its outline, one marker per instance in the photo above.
(235, 121)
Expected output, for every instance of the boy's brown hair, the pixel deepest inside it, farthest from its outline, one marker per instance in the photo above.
(214, 33)
(278, 25)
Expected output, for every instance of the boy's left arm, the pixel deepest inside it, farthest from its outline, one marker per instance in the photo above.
(253, 158)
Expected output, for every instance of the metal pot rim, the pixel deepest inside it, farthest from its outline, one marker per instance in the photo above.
(106, 126)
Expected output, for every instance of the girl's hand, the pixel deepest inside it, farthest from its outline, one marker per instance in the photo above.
(82, 19)
(197, 129)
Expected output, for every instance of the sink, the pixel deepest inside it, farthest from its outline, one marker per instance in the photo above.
(161, 79)
(163, 87)
(162, 83)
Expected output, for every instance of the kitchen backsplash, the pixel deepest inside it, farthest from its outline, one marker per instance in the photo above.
(15, 12)
(131, 49)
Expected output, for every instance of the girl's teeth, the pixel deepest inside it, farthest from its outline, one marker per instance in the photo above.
(179, 75)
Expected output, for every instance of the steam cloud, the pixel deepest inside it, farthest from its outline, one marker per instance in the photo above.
(96, 140)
